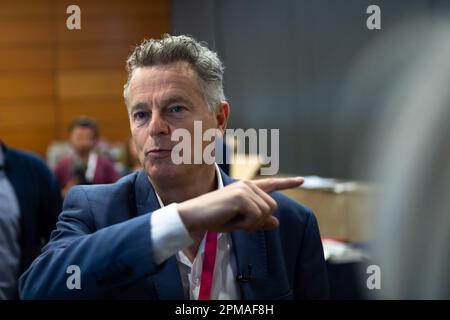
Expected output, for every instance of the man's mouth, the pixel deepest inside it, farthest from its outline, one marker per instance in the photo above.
(158, 153)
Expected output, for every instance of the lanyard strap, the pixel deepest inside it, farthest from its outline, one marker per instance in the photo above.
(209, 259)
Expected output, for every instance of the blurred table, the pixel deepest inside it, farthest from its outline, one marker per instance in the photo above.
(341, 207)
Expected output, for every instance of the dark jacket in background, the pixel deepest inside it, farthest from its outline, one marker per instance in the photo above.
(39, 200)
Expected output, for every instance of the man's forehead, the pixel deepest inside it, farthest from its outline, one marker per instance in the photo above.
(176, 77)
(180, 70)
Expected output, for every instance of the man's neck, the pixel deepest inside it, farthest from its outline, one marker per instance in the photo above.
(192, 186)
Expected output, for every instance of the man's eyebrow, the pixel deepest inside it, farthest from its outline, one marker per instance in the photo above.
(165, 102)
(139, 106)
(174, 99)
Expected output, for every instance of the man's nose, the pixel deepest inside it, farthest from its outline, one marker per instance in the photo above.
(157, 125)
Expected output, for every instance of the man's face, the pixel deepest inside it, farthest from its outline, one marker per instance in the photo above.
(161, 99)
(82, 140)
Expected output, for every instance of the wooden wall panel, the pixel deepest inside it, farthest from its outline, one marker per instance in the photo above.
(50, 75)
(34, 137)
(88, 57)
(117, 8)
(26, 32)
(91, 84)
(30, 9)
(110, 109)
(19, 86)
(107, 30)
(26, 113)
(28, 59)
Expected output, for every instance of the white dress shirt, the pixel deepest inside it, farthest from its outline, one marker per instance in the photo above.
(9, 236)
(170, 236)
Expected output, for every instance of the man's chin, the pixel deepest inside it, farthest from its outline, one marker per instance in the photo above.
(163, 170)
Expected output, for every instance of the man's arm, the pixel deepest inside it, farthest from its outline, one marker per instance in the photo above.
(109, 258)
(242, 205)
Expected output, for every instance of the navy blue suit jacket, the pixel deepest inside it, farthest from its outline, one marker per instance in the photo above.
(39, 200)
(105, 230)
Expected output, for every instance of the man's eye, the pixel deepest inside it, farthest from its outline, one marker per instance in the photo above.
(176, 109)
(141, 117)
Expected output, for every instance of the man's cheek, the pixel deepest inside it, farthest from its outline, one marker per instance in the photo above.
(139, 148)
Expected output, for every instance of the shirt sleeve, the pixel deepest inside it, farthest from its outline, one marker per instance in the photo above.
(168, 233)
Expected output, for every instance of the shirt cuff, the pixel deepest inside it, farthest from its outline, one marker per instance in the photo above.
(168, 233)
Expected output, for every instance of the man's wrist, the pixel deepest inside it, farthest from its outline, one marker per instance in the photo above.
(186, 217)
(168, 233)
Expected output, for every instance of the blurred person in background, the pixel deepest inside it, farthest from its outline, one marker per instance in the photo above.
(407, 73)
(86, 166)
(29, 206)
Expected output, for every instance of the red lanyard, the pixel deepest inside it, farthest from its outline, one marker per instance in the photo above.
(209, 259)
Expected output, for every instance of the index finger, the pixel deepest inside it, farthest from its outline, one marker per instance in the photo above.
(274, 184)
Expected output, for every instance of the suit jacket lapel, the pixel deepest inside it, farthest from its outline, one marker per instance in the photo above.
(250, 251)
(146, 200)
(167, 279)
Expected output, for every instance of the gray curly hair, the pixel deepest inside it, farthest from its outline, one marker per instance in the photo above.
(170, 49)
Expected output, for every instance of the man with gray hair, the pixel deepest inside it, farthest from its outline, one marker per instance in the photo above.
(179, 231)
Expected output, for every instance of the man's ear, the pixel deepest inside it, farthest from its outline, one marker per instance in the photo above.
(222, 114)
